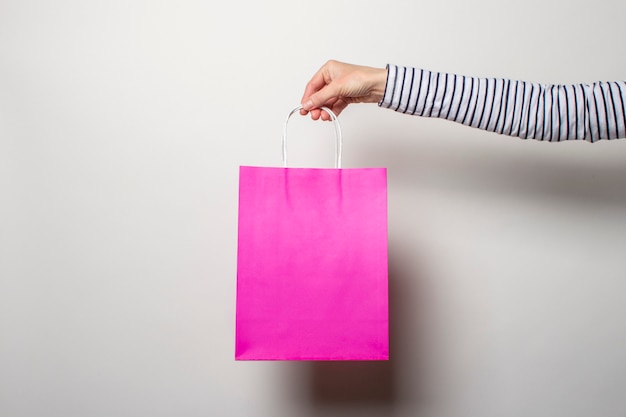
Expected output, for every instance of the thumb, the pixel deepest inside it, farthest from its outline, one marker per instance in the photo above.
(321, 98)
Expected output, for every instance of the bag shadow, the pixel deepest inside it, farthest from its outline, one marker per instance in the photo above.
(370, 382)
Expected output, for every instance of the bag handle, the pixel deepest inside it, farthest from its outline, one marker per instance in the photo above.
(338, 139)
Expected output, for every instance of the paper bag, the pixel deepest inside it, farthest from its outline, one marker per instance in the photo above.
(312, 264)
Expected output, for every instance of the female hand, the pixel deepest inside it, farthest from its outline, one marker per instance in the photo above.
(338, 84)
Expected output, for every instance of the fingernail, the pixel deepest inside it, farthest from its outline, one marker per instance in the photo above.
(308, 105)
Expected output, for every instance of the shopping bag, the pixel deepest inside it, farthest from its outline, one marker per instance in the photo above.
(312, 274)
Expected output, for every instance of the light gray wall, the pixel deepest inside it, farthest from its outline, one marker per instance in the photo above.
(122, 126)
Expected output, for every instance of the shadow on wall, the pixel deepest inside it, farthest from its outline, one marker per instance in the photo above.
(353, 385)
(574, 173)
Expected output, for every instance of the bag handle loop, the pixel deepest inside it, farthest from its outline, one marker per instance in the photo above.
(338, 139)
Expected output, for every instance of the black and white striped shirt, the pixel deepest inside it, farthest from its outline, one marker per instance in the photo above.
(516, 108)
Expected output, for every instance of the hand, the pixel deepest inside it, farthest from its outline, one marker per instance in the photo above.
(338, 84)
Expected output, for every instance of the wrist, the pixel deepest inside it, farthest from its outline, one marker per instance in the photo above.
(379, 82)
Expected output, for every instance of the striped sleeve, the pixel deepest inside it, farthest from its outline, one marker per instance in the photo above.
(515, 108)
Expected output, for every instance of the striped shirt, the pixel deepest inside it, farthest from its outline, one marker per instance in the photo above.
(516, 108)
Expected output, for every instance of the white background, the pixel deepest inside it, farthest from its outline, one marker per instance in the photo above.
(122, 127)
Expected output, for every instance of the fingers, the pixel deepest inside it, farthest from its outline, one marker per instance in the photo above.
(325, 90)
(326, 97)
(315, 84)
(323, 97)
(337, 107)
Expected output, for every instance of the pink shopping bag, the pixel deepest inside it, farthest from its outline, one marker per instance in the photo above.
(312, 263)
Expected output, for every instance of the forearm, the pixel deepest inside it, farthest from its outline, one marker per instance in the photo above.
(515, 108)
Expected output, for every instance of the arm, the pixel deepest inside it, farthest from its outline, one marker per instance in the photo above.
(515, 108)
